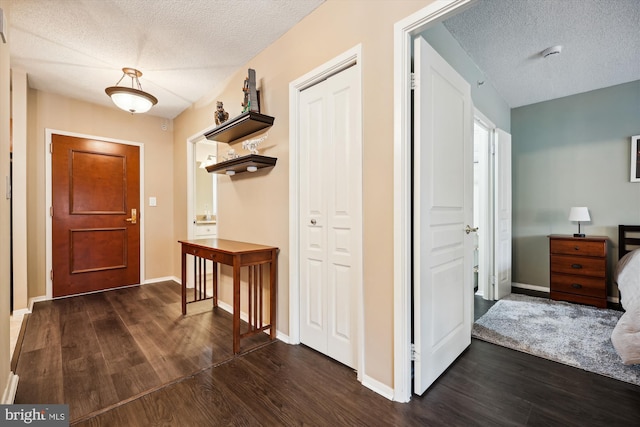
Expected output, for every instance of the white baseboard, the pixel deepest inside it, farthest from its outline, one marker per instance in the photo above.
(375, 385)
(9, 394)
(244, 316)
(530, 287)
(35, 300)
(21, 312)
(161, 279)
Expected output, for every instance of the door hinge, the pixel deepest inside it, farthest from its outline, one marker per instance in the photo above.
(51, 148)
(413, 81)
(51, 274)
(51, 211)
(493, 147)
(493, 280)
(414, 355)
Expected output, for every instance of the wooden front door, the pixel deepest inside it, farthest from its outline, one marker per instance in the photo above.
(95, 215)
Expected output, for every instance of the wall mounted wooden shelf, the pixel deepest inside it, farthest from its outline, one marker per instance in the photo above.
(243, 125)
(240, 164)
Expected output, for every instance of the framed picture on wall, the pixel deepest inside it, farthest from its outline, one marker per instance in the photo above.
(635, 158)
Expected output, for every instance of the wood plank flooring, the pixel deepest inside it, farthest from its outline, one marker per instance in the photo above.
(278, 384)
(95, 351)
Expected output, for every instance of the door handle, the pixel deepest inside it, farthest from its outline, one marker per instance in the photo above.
(134, 217)
(470, 230)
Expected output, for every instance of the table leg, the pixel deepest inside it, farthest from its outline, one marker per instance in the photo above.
(273, 269)
(215, 284)
(184, 281)
(236, 305)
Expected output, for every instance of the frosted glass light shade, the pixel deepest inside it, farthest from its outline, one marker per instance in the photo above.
(580, 213)
(131, 100)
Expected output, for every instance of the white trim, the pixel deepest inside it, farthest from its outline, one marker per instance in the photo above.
(21, 312)
(530, 287)
(403, 33)
(34, 300)
(49, 202)
(485, 238)
(380, 388)
(161, 279)
(352, 57)
(9, 394)
(244, 316)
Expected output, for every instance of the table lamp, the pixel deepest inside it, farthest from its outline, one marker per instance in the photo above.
(579, 214)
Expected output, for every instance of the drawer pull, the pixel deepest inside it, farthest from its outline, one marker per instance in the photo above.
(577, 248)
(576, 265)
(576, 285)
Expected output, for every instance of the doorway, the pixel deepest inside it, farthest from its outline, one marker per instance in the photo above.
(326, 209)
(404, 33)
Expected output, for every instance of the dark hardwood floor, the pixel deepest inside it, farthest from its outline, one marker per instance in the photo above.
(76, 351)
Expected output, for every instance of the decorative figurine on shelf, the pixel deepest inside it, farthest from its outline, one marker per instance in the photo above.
(250, 102)
(221, 116)
(252, 144)
(231, 154)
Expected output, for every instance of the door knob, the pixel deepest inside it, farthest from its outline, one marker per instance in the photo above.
(134, 217)
(313, 222)
(470, 230)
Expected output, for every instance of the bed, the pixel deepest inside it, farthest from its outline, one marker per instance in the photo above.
(626, 335)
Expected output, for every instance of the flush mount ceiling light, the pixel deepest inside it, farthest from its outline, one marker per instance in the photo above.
(132, 99)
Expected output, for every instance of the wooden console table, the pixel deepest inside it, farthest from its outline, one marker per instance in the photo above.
(237, 255)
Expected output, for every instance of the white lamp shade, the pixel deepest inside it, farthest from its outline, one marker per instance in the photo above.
(580, 213)
(131, 102)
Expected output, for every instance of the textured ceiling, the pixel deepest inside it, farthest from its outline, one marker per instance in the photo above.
(600, 39)
(184, 48)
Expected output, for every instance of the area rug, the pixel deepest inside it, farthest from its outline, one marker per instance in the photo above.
(572, 334)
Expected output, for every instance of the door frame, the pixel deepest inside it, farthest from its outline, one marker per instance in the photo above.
(350, 58)
(485, 237)
(49, 201)
(403, 33)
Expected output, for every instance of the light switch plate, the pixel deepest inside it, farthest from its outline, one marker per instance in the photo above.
(153, 201)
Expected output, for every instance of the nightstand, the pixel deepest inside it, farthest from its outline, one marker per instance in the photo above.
(578, 269)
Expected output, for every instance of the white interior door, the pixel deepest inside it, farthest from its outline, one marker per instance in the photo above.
(330, 216)
(502, 227)
(443, 206)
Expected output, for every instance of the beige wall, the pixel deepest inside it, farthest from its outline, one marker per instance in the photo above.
(255, 207)
(46, 110)
(5, 233)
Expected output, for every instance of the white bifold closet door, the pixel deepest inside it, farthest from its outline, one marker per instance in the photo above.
(330, 216)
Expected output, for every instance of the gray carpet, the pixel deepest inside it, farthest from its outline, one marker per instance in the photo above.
(572, 334)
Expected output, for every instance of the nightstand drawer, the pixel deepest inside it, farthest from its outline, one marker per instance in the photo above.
(578, 247)
(596, 267)
(581, 285)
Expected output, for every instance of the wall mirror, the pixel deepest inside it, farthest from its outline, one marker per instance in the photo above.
(204, 186)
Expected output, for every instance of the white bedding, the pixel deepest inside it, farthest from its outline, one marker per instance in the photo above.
(626, 335)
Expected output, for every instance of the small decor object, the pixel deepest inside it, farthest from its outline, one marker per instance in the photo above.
(132, 99)
(250, 102)
(252, 144)
(635, 158)
(231, 154)
(221, 116)
(579, 214)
